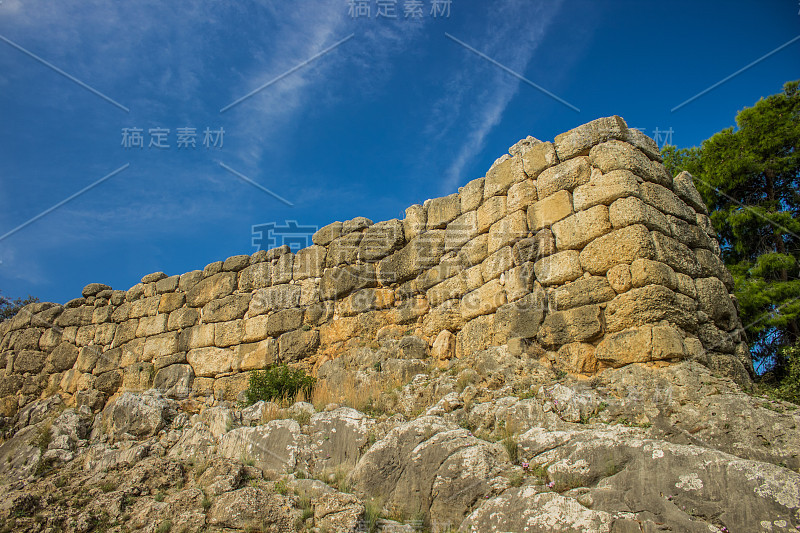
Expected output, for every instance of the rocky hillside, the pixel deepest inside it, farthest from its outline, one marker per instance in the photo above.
(496, 443)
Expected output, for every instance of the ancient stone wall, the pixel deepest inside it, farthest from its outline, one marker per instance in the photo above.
(584, 251)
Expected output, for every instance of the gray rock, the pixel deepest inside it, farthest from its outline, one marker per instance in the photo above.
(137, 415)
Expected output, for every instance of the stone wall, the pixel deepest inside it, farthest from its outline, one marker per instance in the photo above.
(583, 251)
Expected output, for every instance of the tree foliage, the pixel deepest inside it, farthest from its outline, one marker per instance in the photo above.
(749, 177)
(9, 307)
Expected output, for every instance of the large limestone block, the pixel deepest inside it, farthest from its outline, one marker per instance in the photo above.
(211, 288)
(502, 176)
(534, 248)
(605, 189)
(508, 230)
(230, 307)
(492, 210)
(475, 251)
(182, 318)
(340, 436)
(666, 201)
(174, 381)
(471, 195)
(326, 234)
(340, 281)
(497, 263)
(483, 300)
(152, 325)
(521, 195)
(283, 321)
(539, 157)
(140, 415)
(619, 155)
(620, 246)
(443, 210)
(255, 355)
(677, 255)
(366, 300)
(210, 361)
(649, 305)
(549, 210)
(355, 224)
(448, 268)
(688, 233)
(564, 176)
(171, 301)
(578, 230)
(454, 287)
(579, 140)
(519, 281)
(647, 272)
(475, 335)
(274, 298)
(228, 333)
(198, 336)
(558, 268)
(416, 221)
(712, 266)
(343, 250)
(580, 324)
(631, 210)
(309, 262)
(577, 357)
(274, 446)
(297, 344)
(160, 345)
(683, 185)
(584, 291)
(381, 239)
(641, 345)
(643, 142)
(715, 302)
(256, 276)
(461, 230)
(420, 254)
(62, 357)
(282, 269)
(521, 319)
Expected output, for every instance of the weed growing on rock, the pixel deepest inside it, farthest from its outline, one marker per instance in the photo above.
(278, 383)
(164, 527)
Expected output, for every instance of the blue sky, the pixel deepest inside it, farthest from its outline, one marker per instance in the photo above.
(397, 113)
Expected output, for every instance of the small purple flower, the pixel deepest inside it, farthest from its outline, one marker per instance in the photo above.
(525, 465)
(551, 484)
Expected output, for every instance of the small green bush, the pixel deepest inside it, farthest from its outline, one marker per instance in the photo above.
(279, 382)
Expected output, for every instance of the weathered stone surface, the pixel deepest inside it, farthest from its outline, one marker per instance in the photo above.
(283, 321)
(444, 346)
(521, 195)
(443, 210)
(564, 176)
(483, 300)
(712, 266)
(521, 318)
(274, 298)
(558, 268)
(297, 344)
(160, 346)
(619, 155)
(29, 361)
(576, 231)
(256, 276)
(580, 324)
(584, 291)
(502, 176)
(471, 195)
(507, 230)
(628, 211)
(210, 361)
(683, 185)
(62, 357)
(230, 307)
(256, 355)
(275, 446)
(211, 288)
(534, 248)
(647, 272)
(182, 318)
(649, 305)
(171, 301)
(415, 221)
(139, 415)
(490, 211)
(577, 357)
(308, 263)
(282, 269)
(461, 230)
(640, 345)
(539, 157)
(174, 381)
(93, 288)
(666, 201)
(679, 256)
(228, 333)
(327, 234)
(152, 325)
(343, 250)
(496, 264)
(620, 246)
(422, 253)
(355, 224)
(338, 282)
(549, 210)
(381, 239)
(579, 140)
(241, 508)
(605, 189)
(474, 251)
(715, 302)
(644, 143)
(454, 287)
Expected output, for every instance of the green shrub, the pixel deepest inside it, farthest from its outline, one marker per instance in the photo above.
(279, 382)
(787, 388)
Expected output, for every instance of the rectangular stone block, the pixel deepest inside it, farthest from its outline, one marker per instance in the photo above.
(366, 300)
(521, 195)
(492, 210)
(198, 336)
(160, 345)
(619, 155)
(666, 201)
(211, 288)
(519, 281)
(579, 140)
(208, 362)
(152, 325)
(628, 211)
(144, 307)
(381, 239)
(340, 281)
(507, 230)
(581, 324)
(605, 189)
(283, 269)
(563, 177)
(461, 230)
(620, 246)
(309, 262)
(558, 268)
(471, 195)
(502, 176)
(647, 272)
(454, 287)
(584, 291)
(415, 222)
(104, 334)
(255, 355)
(443, 210)
(549, 210)
(183, 318)
(283, 321)
(539, 157)
(475, 251)
(343, 250)
(228, 333)
(422, 253)
(125, 332)
(578, 230)
(326, 234)
(483, 300)
(497, 263)
(649, 305)
(256, 276)
(274, 298)
(171, 301)
(679, 256)
(534, 248)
